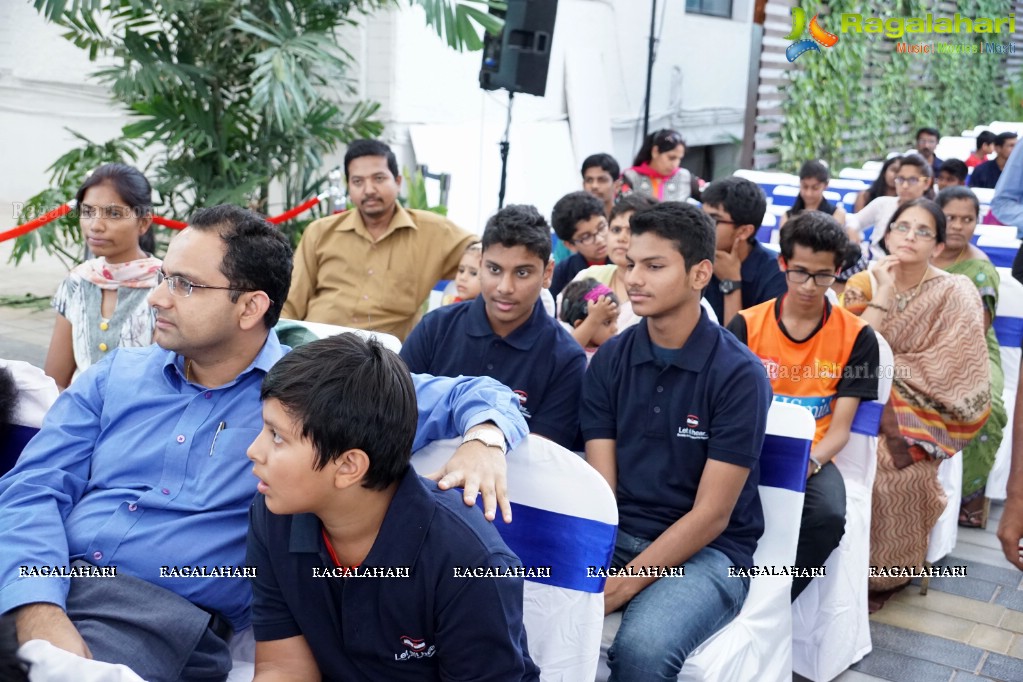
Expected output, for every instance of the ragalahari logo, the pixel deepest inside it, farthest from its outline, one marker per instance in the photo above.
(818, 35)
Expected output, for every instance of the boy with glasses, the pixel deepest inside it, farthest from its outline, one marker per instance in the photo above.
(581, 224)
(818, 356)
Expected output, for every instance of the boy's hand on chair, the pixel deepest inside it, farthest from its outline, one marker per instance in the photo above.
(479, 469)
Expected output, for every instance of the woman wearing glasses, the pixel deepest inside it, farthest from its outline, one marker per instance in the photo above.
(102, 302)
(962, 209)
(656, 172)
(913, 180)
(941, 397)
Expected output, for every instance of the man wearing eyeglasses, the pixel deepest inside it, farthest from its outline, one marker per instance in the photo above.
(139, 473)
(818, 356)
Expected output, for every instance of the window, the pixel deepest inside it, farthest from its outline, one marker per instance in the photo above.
(714, 8)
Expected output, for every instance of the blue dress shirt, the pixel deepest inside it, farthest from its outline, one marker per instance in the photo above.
(129, 470)
(1008, 202)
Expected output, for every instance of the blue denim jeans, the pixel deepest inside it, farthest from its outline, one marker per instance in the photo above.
(665, 622)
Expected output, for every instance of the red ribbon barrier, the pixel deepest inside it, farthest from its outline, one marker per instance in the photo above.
(167, 222)
(14, 232)
(301, 208)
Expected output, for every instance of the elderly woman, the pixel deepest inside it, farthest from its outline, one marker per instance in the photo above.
(941, 396)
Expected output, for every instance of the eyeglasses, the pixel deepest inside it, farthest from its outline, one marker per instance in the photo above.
(182, 288)
(87, 212)
(720, 221)
(590, 236)
(802, 276)
(912, 182)
(904, 229)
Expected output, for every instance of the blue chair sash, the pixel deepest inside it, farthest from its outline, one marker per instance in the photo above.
(1009, 331)
(783, 462)
(867, 420)
(568, 544)
(1000, 256)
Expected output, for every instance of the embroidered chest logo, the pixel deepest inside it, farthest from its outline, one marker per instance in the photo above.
(414, 648)
(692, 429)
(523, 397)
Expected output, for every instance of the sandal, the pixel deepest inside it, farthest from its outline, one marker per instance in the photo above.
(973, 511)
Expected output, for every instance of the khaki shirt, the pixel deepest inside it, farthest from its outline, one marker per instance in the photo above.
(343, 277)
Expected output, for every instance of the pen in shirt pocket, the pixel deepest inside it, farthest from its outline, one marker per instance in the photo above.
(223, 425)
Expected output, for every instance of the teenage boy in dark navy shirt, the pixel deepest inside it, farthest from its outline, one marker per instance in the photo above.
(505, 333)
(745, 273)
(674, 411)
(355, 557)
(580, 221)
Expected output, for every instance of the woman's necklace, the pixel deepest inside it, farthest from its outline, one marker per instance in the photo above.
(903, 299)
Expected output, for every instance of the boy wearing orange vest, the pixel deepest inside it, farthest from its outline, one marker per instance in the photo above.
(818, 356)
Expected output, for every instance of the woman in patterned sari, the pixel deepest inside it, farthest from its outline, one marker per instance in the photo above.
(962, 209)
(934, 323)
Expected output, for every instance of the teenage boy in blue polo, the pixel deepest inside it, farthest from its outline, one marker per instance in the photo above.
(745, 273)
(580, 221)
(355, 556)
(674, 411)
(505, 333)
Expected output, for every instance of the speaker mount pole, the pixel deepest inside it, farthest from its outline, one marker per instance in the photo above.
(649, 69)
(505, 145)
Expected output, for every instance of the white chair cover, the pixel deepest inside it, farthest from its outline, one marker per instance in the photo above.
(946, 530)
(757, 644)
(322, 331)
(36, 393)
(51, 664)
(560, 505)
(830, 623)
(1008, 326)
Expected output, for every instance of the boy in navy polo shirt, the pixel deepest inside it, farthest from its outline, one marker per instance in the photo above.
(745, 273)
(580, 222)
(821, 357)
(674, 412)
(355, 557)
(505, 333)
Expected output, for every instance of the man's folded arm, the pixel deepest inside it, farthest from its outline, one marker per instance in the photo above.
(448, 407)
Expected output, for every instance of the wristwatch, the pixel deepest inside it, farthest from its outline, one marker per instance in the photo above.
(489, 438)
(727, 286)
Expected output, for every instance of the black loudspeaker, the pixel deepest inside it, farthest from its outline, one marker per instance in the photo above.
(517, 59)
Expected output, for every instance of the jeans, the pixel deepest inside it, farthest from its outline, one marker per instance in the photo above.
(823, 522)
(665, 622)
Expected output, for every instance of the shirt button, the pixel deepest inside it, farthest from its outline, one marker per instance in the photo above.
(657, 410)
(104, 326)
(490, 367)
(103, 347)
(97, 555)
(132, 507)
(369, 272)
(180, 438)
(165, 491)
(365, 297)
(660, 389)
(208, 395)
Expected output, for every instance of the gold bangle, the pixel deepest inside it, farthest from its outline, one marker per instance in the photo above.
(871, 304)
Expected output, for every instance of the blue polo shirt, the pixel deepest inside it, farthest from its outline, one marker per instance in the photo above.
(762, 280)
(708, 401)
(431, 625)
(540, 361)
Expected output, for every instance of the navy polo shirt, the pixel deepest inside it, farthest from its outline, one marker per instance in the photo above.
(710, 401)
(428, 626)
(762, 280)
(566, 270)
(540, 361)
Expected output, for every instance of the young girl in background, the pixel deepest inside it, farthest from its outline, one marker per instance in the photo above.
(589, 310)
(467, 281)
(813, 180)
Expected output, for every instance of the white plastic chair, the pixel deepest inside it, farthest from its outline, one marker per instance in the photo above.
(984, 194)
(830, 623)
(785, 195)
(1000, 251)
(757, 644)
(865, 174)
(844, 185)
(945, 532)
(1008, 326)
(36, 393)
(322, 331)
(999, 233)
(955, 147)
(564, 516)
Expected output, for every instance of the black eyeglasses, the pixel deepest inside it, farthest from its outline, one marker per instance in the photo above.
(590, 236)
(182, 288)
(802, 277)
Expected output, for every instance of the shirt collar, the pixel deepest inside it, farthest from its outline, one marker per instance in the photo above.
(269, 354)
(695, 353)
(401, 535)
(352, 222)
(523, 338)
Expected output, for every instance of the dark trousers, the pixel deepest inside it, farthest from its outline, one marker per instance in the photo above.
(823, 522)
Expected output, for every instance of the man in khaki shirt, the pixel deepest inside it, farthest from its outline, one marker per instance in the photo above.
(372, 267)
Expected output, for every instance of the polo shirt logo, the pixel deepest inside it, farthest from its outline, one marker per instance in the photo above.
(691, 429)
(523, 397)
(414, 648)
